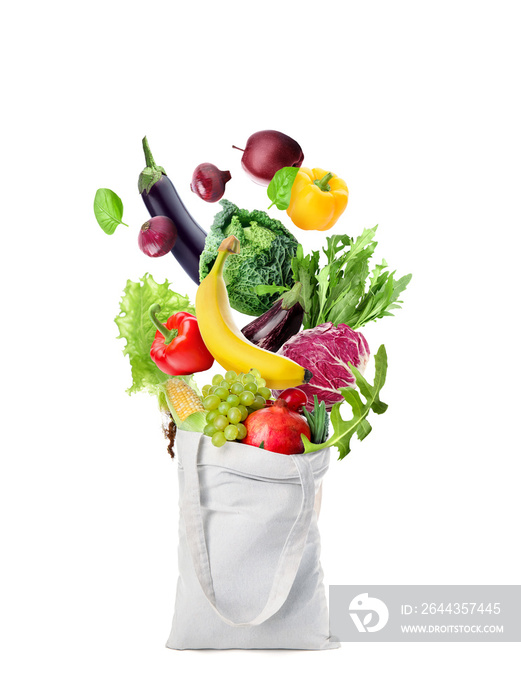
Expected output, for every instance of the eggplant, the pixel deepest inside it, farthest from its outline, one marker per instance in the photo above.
(161, 199)
(271, 330)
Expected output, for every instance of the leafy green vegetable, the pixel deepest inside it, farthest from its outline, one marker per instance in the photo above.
(305, 270)
(337, 292)
(342, 282)
(108, 210)
(279, 189)
(270, 289)
(267, 249)
(344, 430)
(136, 327)
(381, 296)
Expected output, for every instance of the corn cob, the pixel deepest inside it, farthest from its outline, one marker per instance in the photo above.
(182, 398)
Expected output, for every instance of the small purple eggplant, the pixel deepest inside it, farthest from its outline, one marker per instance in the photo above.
(271, 330)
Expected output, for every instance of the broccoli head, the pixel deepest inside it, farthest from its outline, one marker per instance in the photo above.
(267, 248)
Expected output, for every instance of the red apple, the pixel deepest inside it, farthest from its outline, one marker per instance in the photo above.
(269, 151)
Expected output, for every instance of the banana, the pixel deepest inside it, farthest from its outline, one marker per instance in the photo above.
(225, 341)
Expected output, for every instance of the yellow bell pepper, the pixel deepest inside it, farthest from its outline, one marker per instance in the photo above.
(318, 198)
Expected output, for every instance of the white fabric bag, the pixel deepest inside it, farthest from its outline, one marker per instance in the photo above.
(249, 547)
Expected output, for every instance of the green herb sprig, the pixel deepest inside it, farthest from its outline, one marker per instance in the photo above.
(344, 290)
(318, 422)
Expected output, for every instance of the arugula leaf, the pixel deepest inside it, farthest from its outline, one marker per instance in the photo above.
(279, 189)
(305, 269)
(108, 210)
(381, 297)
(337, 292)
(348, 273)
(399, 286)
(137, 329)
(270, 289)
(344, 430)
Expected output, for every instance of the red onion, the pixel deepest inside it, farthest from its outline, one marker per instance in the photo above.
(157, 236)
(208, 182)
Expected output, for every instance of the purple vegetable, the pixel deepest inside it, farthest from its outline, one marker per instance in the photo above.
(271, 330)
(161, 199)
(157, 236)
(326, 350)
(208, 182)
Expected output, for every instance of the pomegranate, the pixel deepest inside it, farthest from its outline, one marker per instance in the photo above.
(276, 429)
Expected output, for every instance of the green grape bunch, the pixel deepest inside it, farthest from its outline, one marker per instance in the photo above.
(229, 400)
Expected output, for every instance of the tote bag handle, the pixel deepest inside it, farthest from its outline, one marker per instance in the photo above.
(290, 556)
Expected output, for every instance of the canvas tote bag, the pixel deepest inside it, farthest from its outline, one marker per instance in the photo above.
(249, 547)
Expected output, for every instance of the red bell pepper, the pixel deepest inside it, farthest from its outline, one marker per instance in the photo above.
(178, 347)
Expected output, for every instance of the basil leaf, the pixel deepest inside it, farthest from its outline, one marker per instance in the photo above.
(279, 189)
(108, 210)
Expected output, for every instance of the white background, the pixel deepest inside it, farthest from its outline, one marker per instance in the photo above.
(416, 105)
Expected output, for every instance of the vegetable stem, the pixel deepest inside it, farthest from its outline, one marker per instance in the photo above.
(149, 158)
(151, 173)
(293, 296)
(230, 245)
(323, 182)
(168, 334)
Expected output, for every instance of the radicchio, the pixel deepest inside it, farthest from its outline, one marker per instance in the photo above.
(326, 350)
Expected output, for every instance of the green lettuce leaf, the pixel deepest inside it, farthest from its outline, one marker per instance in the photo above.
(136, 328)
(358, 424)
